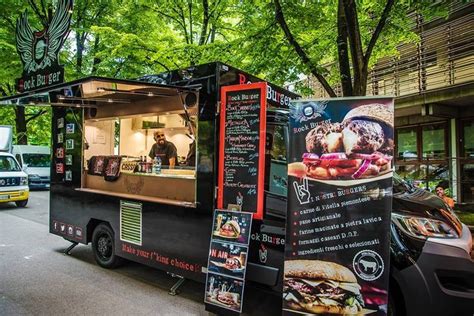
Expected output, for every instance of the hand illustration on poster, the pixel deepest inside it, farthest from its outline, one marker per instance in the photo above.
(301, 191)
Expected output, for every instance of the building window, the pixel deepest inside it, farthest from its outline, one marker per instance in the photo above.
(467, 161)
(434, 141)
(422, 154)
(468, 137)
(407, 143)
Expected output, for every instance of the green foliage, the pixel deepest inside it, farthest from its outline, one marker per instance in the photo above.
(39, 129)
(127, 39)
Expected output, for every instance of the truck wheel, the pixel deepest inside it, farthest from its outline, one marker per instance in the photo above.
(104, 248)
(21, 203)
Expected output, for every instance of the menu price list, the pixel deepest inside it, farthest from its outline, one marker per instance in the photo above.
(342, 228)
(344, 219)
(243, 110)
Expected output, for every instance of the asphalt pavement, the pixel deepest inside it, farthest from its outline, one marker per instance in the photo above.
(36, 278)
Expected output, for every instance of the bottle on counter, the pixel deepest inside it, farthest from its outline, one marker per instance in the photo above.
(157, 165)
(149, 166)
(140, 164)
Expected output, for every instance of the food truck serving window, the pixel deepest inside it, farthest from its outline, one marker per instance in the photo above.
(143, 148)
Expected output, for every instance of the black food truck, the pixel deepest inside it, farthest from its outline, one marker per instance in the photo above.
(108, 189)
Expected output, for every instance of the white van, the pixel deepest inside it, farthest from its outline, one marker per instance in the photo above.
(13, 181)
(35, 161)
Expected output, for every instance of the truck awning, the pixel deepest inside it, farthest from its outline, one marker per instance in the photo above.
(100, 91)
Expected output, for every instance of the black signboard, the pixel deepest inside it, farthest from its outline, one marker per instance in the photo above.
(242, 151)
(39, 50)
(227, 261)
(339, 204)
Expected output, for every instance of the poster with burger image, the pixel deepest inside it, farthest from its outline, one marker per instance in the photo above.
(321, 287)
(229, 259)
(339, 204)
(232, 226)
(224, 292)
(342, 142)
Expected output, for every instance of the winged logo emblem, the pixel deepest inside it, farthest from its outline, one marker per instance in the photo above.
(308, 110)
(40, 49)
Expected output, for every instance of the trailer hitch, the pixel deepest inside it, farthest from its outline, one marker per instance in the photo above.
(174, 289)
(68, 249)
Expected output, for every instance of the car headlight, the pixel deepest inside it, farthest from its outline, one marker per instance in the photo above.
(34, 176)
(24, 181)
(423, 228)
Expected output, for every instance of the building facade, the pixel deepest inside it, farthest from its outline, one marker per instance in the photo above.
(433, 85)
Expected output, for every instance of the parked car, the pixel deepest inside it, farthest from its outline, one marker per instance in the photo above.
(35, 161)
(431, 272)
(430, 255)
(13, 181)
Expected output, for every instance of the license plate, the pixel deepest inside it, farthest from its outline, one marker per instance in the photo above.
(4, 197)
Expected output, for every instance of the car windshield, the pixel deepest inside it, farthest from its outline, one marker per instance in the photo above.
(8, 164)
(36, 160)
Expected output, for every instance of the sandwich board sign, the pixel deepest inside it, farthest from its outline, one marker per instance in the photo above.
(339, 204)
(227, 263)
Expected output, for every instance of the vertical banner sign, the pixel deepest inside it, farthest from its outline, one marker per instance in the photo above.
(227, 261)
(339, 205)
(242, 147)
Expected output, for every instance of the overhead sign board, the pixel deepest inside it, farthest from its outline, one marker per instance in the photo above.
(39, 50)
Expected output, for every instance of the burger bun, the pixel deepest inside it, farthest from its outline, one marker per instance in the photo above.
(319, 270)
(374, 112)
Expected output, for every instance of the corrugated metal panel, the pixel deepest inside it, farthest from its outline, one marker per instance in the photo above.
(131, 222)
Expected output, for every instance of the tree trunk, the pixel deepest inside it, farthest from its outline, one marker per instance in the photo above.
(80, 49)
(342, 52)
(357, 54)
(20, 122)
(205, 22)
(97, 60)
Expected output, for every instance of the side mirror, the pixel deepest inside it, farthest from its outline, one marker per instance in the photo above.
(25, 166)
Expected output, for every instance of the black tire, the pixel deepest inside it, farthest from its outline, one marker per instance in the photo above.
(21, 203)
(103, 246)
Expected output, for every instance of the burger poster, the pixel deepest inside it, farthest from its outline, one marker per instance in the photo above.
(232, 226)
(224, 292)
(227, 261)
(339, 204)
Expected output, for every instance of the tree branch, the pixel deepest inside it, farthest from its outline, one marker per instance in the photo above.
(280, 18)
(10, 21)
(378, 30)
(32, 116)
(42, 17)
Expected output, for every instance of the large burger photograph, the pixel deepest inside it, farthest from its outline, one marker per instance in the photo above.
(231, 229)
(358, 147)
(321, 287)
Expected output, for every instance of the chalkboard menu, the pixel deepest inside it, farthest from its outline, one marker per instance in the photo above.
(242, 147)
